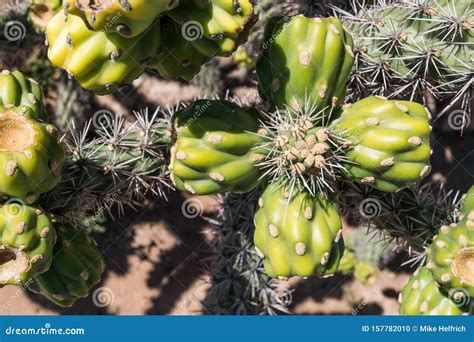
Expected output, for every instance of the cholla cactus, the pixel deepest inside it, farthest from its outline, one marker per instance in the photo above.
(410, 218)
(240, 285)
(121, 164)
(415, 48)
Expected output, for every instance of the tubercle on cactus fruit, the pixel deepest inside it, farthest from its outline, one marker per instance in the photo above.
(451, 256)
(409, 218)
(299, 235)
(99, 61)
(119, 166)
(422, 296)
(214, 148)
(304, 59)
(27, 237)
(467, 202)
(240, 284)
(389, 142)
(411, 48)
(76, 267)
(301, 150)
(227, 22)
(128, 18)
(17, 90)
(31, 157)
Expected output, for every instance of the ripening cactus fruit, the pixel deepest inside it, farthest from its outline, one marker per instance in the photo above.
(388, 142)
(128, 18)
(99, 61)
(27, 237)
(299, 236)
(366, 273)
(17, 90)
(214, 148)
(227, 22)
(179, 57)
(31, 157)
(304, 60)
(451, 256)
(467, 204)
(422, 296)
(77, 266)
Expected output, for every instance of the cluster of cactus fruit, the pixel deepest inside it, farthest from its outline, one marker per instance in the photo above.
(37, 249)
(105, 45)
(299, 155)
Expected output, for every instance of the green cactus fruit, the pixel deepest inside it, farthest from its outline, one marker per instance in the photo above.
(27, 237)
(366, 273)
(99, 61)
(451, 256)
(305, 60)
(299, 236)
(128, 18)
(227, 22)
(77, 266)
(347, 263)
(214, 148)
(422, 296)
(17, 90)
(178, 57)
(31, 157)
(467, 204)
(389, 142)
